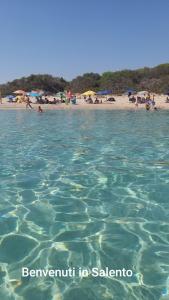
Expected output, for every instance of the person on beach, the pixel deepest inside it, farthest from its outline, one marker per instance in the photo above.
(68, 96)
(28, 103)
(46, 100)
(153, 103)
(61, 98)
(73, 100)
(66, 101)
(96, 101)
(136, 103)
(89, 100)
(129, 94)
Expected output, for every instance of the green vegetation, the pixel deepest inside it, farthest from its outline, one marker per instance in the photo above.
(152, 79)
(33, 82)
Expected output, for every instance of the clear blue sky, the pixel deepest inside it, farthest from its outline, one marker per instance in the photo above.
(70, 37)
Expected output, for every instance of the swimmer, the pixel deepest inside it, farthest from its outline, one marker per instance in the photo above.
(147, 106)
(40, 109)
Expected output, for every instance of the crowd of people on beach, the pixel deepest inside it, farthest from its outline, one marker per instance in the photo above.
(140, 99)
(42, 100)
(89, 100)
(145, 99)
(54, 100)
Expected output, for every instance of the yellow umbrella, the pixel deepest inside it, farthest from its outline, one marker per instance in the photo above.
(89, 93)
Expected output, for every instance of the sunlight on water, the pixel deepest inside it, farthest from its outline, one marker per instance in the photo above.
(84, 189)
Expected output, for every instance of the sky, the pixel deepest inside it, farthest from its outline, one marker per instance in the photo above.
(71, 37)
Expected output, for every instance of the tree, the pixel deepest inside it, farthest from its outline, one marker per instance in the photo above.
(89, 81)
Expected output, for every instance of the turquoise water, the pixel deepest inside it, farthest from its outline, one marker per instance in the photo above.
(84, 189)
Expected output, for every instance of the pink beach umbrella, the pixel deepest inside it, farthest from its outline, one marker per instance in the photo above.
(21, 92)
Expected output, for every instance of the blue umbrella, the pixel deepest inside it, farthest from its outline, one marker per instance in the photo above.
(105, 92)
(130, 90)
(33, 94)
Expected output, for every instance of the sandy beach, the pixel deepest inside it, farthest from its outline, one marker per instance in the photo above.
(122, 103)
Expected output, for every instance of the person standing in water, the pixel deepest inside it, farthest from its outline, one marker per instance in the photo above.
(40, 109)
(147, 106)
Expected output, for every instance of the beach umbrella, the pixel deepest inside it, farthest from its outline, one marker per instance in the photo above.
(89, 93)
(33, 94)
(131, 91)
(104, 92)
(19, 92)
(142, 93)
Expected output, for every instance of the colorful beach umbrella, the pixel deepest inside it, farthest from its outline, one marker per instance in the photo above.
(19, 92)
(89, 93)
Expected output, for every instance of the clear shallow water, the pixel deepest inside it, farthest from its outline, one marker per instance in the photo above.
(84, 189)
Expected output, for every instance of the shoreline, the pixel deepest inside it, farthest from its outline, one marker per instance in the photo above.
(131, 107)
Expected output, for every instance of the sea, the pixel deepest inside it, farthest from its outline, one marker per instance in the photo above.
(84, 190)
